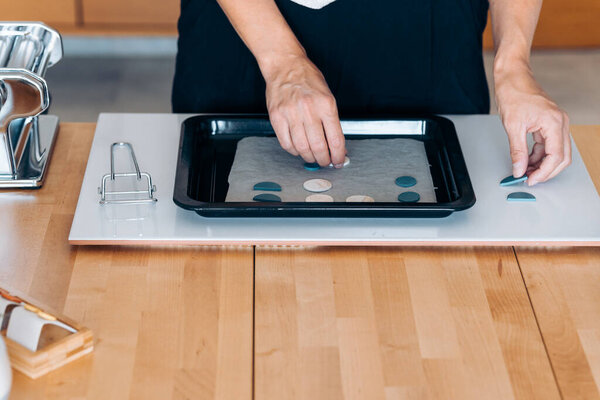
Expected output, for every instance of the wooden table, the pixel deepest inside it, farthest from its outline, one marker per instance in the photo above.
(320, 322)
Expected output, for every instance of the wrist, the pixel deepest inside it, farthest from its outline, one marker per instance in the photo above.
(510, 62)
(510, 70)
(272, 63)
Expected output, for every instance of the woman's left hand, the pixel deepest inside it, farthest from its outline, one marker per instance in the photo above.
(525, 108)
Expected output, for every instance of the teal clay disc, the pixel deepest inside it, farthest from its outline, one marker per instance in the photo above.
(406, 181)
(409, 197)
(267, 197)
(520, 196)
(268, 186)
(511, 180)
(312, 166)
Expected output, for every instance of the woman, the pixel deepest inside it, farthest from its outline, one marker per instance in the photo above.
(308, 61)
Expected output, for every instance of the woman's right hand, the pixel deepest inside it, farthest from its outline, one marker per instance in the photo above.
(303, 111)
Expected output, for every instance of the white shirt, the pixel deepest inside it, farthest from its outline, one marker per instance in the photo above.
(314, 4)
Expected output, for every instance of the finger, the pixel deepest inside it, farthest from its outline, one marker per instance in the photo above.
(554, 145)
(537, 154)
(517, 138)
(317, 142)
(335, 140)
(333, 131)
(300, 142)
(538, 151)
(533, 167)
(282, 131)
(567, 152)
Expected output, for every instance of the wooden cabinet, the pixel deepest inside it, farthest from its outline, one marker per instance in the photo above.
(133, 12)
(569, 23)
(564, 23)
(49, 11)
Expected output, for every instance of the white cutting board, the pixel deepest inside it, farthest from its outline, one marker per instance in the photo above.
(567, 210)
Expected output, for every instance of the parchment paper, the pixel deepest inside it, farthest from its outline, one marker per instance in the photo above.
(374, 166)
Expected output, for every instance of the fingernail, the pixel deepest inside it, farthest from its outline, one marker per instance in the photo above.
(531, 182)
(339, 165)
(517, 168)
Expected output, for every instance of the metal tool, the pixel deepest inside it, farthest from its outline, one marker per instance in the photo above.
(117, 196)
(27, 49)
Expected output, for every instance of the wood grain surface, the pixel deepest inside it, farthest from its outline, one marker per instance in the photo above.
(564, 286)
(396, 323)
(55, 12)
(169, 322)
(131, 12)
(563, 23)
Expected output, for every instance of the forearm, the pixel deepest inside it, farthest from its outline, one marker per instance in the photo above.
(513, 27)
(264, 31)
(522, 104)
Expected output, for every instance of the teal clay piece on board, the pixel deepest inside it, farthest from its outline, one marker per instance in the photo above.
(406, 181)
(267, 197)
(409, 197)
(520, 196)
(268, 186)
(511, 180)
(312, 166)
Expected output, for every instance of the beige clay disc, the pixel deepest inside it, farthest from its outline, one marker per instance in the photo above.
(319, 198)
(360, 198)
(317, 185)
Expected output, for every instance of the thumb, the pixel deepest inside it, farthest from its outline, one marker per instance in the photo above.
(518, 152)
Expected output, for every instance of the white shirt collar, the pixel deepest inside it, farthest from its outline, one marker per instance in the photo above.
(314, 4)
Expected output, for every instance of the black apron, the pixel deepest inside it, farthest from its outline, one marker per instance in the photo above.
(377, 56)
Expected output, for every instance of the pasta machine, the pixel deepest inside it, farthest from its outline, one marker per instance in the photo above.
(27, 49)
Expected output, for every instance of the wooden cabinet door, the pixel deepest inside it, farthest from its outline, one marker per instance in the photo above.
(139, 12)
(564, 23)
(60, 12)
(568, 23)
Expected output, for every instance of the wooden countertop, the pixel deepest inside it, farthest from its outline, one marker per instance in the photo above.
(318, 322)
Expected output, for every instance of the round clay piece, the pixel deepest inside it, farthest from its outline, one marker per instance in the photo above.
(409, 197)
(317, 185)
(360, 198)
(319, 198)
(406, 181)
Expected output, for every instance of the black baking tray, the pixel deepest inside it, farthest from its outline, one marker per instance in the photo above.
(208, 144)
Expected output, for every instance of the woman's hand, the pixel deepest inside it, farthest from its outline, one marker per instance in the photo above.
(525, 108)
(301, 107)
(303, 111)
